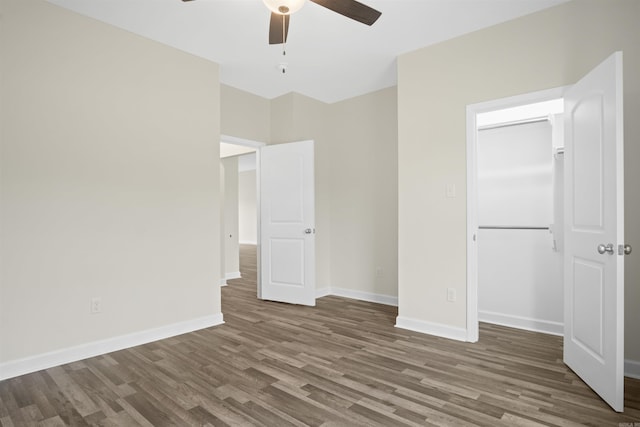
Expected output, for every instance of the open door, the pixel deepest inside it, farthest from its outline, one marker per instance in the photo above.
(594, 231)
(287, 223)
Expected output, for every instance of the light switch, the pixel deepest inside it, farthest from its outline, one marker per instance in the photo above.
(450, 190)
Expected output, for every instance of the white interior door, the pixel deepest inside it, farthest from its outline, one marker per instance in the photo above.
(287, 223)
(594, 231)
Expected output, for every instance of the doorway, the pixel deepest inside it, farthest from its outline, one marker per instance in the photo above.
(519, 184)
(496, 123)
(593, 201)
(285, 218)
(236, 156)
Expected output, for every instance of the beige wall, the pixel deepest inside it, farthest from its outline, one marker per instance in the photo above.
(230, 217)
(548, 49)
(356, 183)
(244, 115)
(109, 163)
(247, 197)
(295, 117)
(222, 242)
(281, 119)
(364, 193)
(110, 185)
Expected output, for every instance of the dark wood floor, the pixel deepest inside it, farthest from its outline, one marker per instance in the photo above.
(341, 363)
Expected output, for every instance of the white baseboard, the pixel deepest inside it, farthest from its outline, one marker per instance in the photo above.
(357, 295)
(632, 368)
(536, 325)
(437, 329)
(246, 242)
(72, 354)
(364, 296)
(323, 292)
(234, 275)
(223, 282)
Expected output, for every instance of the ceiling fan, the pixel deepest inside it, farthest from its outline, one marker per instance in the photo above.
(282, 9)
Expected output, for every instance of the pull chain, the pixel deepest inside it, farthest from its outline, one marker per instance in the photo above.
(284, 35)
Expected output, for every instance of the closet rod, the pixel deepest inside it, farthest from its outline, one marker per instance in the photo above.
(509, 227)
(514, 123)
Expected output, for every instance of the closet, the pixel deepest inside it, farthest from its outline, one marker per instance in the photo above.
(519, 166)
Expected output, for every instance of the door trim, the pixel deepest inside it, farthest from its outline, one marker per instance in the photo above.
(241, 141)
(472, 333)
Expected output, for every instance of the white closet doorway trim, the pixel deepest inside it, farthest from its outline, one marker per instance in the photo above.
(473, 110)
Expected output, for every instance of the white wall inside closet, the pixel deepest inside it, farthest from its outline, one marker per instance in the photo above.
(519, 269)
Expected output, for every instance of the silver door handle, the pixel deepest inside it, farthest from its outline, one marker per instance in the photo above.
(626, 249)
(605, 249)
(307, 231)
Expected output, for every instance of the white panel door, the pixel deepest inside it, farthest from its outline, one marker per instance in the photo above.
(594, 231)
(287, 223)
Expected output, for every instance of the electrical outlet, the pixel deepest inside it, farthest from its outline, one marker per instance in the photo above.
(451, 294)
(96, 305)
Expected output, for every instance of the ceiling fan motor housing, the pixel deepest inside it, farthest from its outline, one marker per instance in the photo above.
(281, 11)
(284, 7)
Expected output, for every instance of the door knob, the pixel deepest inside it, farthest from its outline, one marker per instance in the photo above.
(307, 231)
(626, 249)
(605, 249)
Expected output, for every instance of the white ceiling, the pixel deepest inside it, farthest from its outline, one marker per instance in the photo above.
(329, 57)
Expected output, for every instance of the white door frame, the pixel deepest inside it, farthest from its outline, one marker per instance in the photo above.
(472, 190)
(242, 141)
(257, 145)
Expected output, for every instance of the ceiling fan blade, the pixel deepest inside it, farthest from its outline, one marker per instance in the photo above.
(275, 28)
(351, 9)
(186, 0)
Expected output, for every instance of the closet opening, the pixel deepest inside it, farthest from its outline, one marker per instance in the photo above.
(514, 199)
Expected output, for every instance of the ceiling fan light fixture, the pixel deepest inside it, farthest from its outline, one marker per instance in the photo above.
(284, 7)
